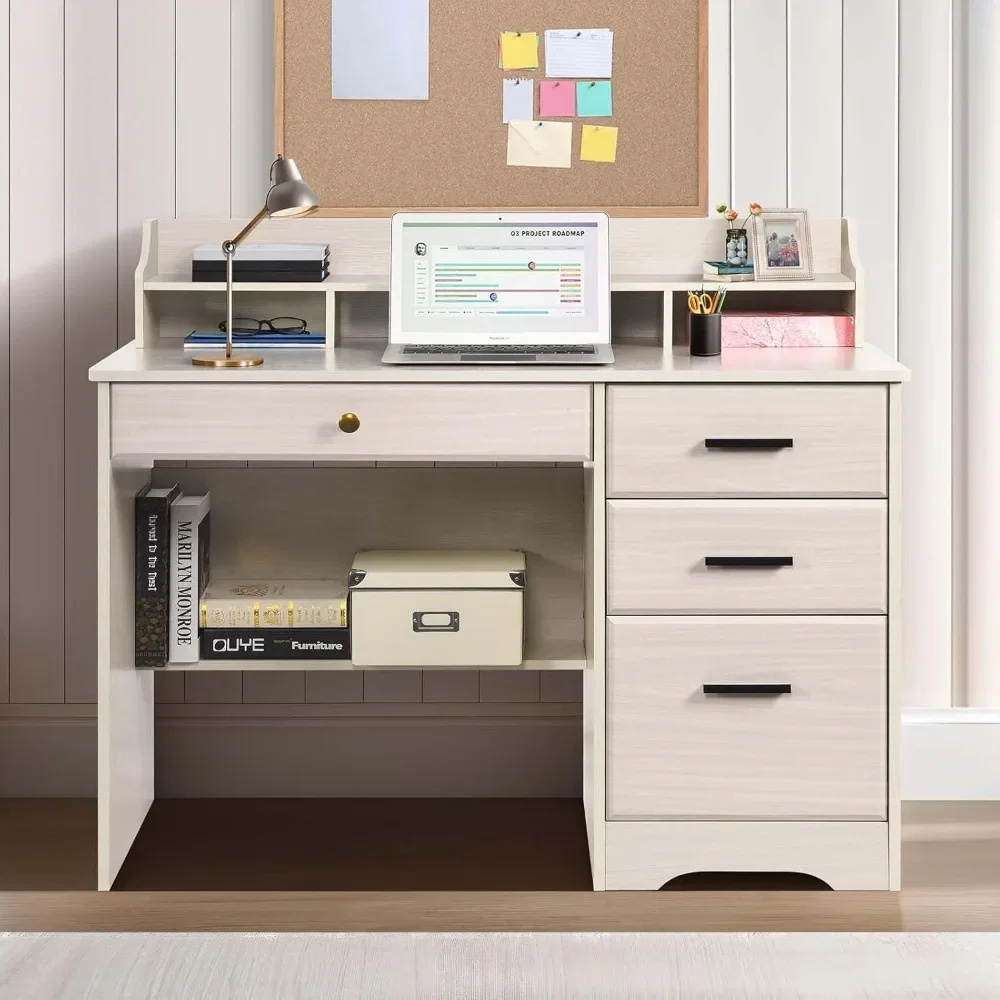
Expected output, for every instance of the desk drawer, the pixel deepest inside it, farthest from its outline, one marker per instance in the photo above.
(747, 440)
(745, 557)
(816, 752)
(545, 423)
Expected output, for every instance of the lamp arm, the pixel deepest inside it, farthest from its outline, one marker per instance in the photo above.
(246, 230)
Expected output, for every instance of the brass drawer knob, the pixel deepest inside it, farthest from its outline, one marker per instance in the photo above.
(348, 422)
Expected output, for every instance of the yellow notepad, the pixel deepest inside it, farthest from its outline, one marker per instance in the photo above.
(599, 143)
(519, 50)
(540, 144)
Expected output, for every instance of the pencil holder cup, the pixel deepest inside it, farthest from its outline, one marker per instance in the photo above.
(705, 334)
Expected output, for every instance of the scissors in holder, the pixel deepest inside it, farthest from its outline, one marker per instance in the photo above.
(701, 303)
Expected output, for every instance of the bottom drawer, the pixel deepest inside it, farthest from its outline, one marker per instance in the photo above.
(815, 748)
(844, 855)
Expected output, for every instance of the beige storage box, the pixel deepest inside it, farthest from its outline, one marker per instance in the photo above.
(437, 609)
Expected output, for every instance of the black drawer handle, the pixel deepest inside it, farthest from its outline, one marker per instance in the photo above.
(748, 444)
(747, 689)
(749, 562)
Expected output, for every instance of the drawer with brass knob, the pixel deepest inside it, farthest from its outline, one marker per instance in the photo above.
(461, 423)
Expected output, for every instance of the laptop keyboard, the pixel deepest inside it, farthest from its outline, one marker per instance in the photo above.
(498, 349)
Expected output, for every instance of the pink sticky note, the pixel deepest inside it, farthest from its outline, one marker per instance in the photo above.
(557, 99)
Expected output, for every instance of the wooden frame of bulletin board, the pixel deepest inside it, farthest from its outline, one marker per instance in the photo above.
(372, 158)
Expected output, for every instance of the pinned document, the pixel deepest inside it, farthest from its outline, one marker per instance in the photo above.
(557, 99)
(599, 143)
(380, 50)
(593, 99)
(519, 50)
(540, 144)
(518, 100)
(578, 52)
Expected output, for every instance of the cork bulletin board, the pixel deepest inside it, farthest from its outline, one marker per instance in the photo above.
(450, 151)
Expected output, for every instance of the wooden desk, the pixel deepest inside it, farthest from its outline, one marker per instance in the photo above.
(800, 591)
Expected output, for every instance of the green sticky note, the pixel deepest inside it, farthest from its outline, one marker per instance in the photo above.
(593, 99)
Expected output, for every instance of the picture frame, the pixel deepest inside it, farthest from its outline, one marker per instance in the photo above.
(782, 245)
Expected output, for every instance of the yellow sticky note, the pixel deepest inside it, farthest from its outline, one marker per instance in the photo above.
(519, 50)
(599, 143)
(540, 144)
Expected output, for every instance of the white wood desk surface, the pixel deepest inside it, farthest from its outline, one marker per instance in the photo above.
(361, 362)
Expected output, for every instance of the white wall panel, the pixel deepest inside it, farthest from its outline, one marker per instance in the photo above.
(720, 177)
(91, 236)
(815, 92)
(759, 99)
(146, 176)
(252, 103)
(36, 351)
(4, 357)
(925, 307)
(203, 96)
(870, 106)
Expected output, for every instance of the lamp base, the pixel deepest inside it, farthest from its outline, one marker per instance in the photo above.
(221, 361)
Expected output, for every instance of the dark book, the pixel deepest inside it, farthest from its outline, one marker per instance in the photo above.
(253, 266)
(296, 275)
(152, 574)
(275, 644)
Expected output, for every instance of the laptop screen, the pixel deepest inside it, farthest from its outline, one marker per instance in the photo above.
(469, 280)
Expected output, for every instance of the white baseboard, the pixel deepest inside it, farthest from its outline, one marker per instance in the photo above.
(947, 754)
(951, 753)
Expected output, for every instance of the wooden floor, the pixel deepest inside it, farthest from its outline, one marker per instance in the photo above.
(504, 865)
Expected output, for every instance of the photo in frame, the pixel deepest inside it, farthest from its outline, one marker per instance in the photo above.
(782, 245)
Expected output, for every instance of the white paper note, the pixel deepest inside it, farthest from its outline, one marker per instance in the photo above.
(540, 144)
(578, 53)
(380, 50)
(518, 100)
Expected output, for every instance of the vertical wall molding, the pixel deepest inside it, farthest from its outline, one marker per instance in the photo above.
(925, 318)
(91, 308)
(203, 112)
(759, 102)
(5, 355)
(720, 148)
(37, 385)
(146, 136)
(815, 106)
(870, 102)
(983, 364)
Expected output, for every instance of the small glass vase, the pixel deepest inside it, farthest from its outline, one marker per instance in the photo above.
(737, 245)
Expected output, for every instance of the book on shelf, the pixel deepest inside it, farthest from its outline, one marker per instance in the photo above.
(152, 574)
(273, 276)
(266, 604)
(190, 539)
(720, 270)
(263, 251)
(251, 267)
(275, 644)
(198, 339)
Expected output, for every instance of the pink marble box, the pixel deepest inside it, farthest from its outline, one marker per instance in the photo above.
(786, 330)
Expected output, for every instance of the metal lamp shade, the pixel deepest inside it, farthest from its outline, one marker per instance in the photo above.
(289, 195)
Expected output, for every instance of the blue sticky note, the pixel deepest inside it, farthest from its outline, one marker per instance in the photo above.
(593, 99)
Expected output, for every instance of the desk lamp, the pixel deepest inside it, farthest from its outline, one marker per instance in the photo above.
(288, 197)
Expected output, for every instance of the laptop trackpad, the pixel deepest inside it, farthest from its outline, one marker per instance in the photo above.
(498, 357)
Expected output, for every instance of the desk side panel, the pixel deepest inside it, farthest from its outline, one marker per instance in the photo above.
(124, 694)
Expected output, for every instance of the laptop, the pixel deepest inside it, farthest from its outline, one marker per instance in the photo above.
(500, 288)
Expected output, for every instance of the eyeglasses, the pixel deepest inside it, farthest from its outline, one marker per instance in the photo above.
(280, 324)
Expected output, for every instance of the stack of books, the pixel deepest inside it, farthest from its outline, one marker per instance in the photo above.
(721, 270)
(183, 616)
(274, 620)
(263, 262)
